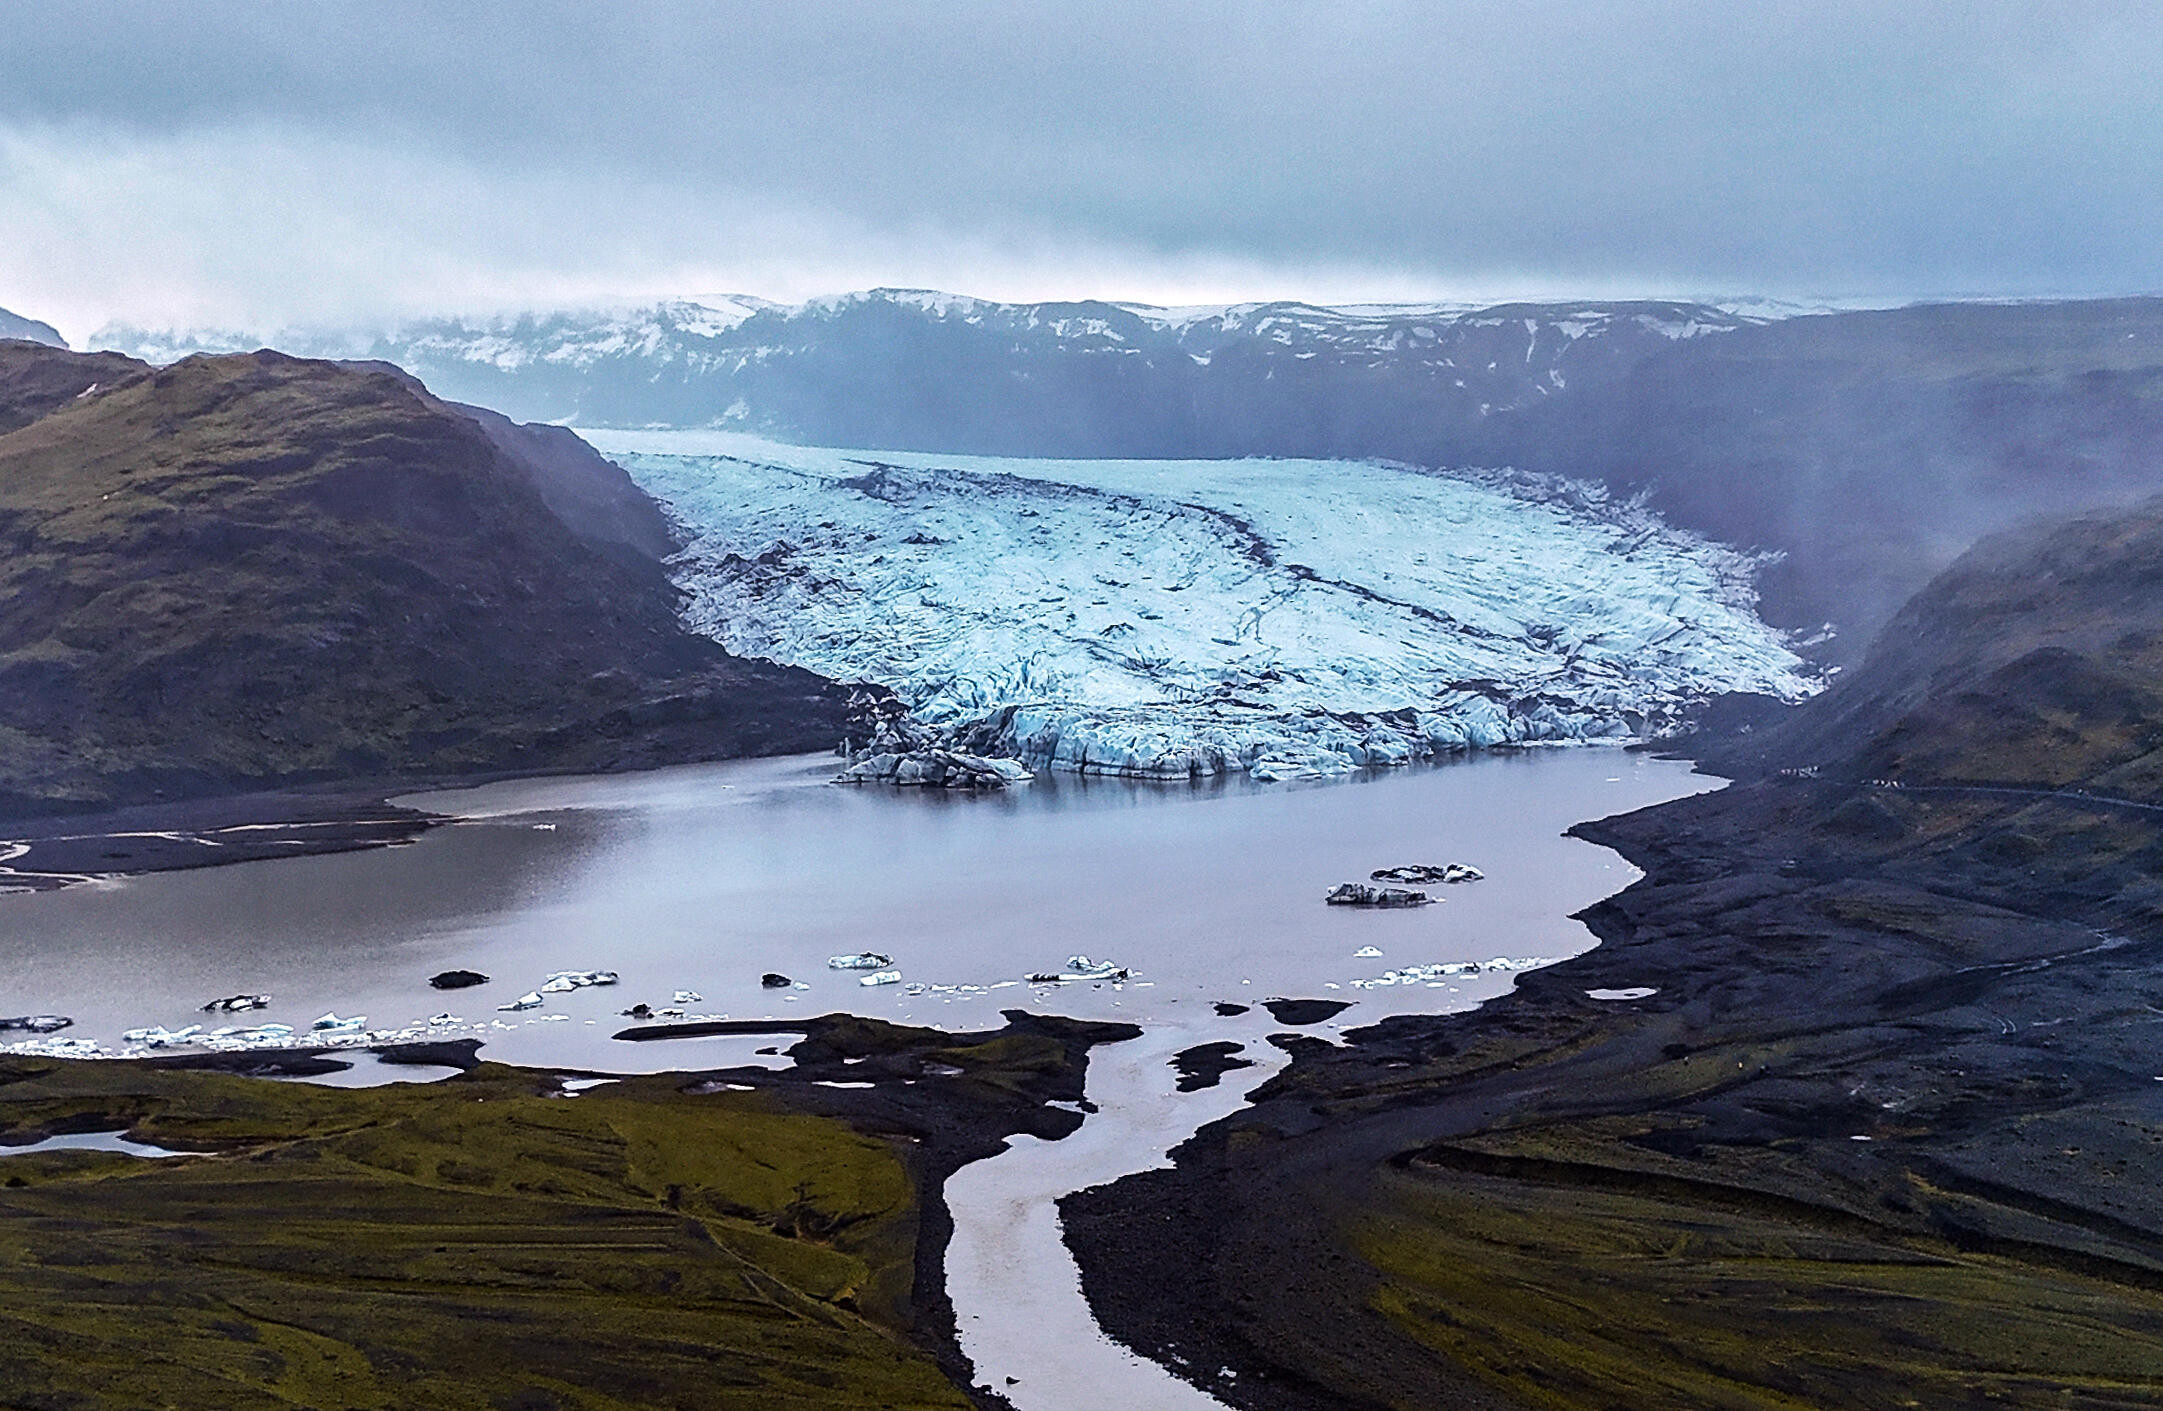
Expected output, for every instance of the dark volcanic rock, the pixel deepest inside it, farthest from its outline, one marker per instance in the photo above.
(1304, 1011)
(2036, 662)
(1205, 1065)
(249, 571)
(457, 979)
(214, 832)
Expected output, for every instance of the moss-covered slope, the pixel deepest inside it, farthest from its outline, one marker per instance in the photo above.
(253, 570)
(742, 1239)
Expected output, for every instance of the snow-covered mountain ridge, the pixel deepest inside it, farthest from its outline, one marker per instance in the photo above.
(1160, 618)
(950, 372)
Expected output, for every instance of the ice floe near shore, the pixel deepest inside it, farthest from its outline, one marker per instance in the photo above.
(1177, 618)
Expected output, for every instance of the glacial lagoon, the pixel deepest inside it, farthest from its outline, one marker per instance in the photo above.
(697, 881)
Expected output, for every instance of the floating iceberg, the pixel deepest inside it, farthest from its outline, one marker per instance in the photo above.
(161, 1037)
(1450, 970)
(36, 1023)
(562, 982)
(1080, 967)
(1450, 872)
(1360, 894)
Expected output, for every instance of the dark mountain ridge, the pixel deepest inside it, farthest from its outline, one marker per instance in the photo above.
(29, 330)
(253, 571)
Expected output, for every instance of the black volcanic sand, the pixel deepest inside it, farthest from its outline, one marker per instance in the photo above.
(1205, 1065)
(204, 833)
(1301, 1012)
(1886, 1135)
(732, 1238)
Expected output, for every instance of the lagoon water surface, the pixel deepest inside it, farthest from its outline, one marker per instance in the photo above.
(701, 880)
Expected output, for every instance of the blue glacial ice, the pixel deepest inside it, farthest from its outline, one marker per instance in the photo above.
(1176, 618)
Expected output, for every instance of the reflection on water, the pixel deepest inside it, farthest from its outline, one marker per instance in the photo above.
(91, 1141)
(703, 878)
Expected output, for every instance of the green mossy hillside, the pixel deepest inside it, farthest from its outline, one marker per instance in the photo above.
(251, 571)
(486, 1241)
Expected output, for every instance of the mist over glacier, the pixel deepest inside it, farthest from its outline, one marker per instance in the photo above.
(1169, 618)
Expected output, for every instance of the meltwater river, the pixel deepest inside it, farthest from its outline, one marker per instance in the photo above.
(701, 879)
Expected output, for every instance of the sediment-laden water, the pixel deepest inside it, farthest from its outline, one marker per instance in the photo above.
(692, 884)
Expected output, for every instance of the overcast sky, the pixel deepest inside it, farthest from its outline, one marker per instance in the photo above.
(253, 164)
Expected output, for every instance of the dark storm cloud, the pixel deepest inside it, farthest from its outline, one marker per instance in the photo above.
(1858, 147)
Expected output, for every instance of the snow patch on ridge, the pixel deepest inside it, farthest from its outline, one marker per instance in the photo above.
(1167, 618)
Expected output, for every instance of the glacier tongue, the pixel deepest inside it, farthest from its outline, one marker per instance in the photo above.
(1175, 618)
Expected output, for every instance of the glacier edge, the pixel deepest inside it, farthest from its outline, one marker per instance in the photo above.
(1171, 619)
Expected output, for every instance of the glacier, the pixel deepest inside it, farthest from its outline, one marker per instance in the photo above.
(1284, 618)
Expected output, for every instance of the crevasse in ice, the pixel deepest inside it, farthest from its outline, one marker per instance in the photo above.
(1168, 618)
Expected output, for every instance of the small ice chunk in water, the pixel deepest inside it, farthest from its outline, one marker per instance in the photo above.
(1367, 953)
(162, 1037)
(862, 960)
(332, 1024)
(531, 999)
(564, 981)
(688, 997)
(881, 977)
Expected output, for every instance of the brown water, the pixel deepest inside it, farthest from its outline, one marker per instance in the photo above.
(703, 878)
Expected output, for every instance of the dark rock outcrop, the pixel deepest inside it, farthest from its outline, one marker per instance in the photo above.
(1204, 1065)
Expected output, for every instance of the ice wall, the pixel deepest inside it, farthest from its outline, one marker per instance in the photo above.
(1160, 618)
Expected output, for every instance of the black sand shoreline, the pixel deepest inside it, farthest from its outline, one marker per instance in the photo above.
(1876, 1048)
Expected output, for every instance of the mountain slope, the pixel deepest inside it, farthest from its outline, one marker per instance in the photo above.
(904, 369)
(29, 330)
(254, 569)
(1873, 447)
(35, 380)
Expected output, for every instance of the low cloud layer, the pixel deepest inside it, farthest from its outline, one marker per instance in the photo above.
(254, 162)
